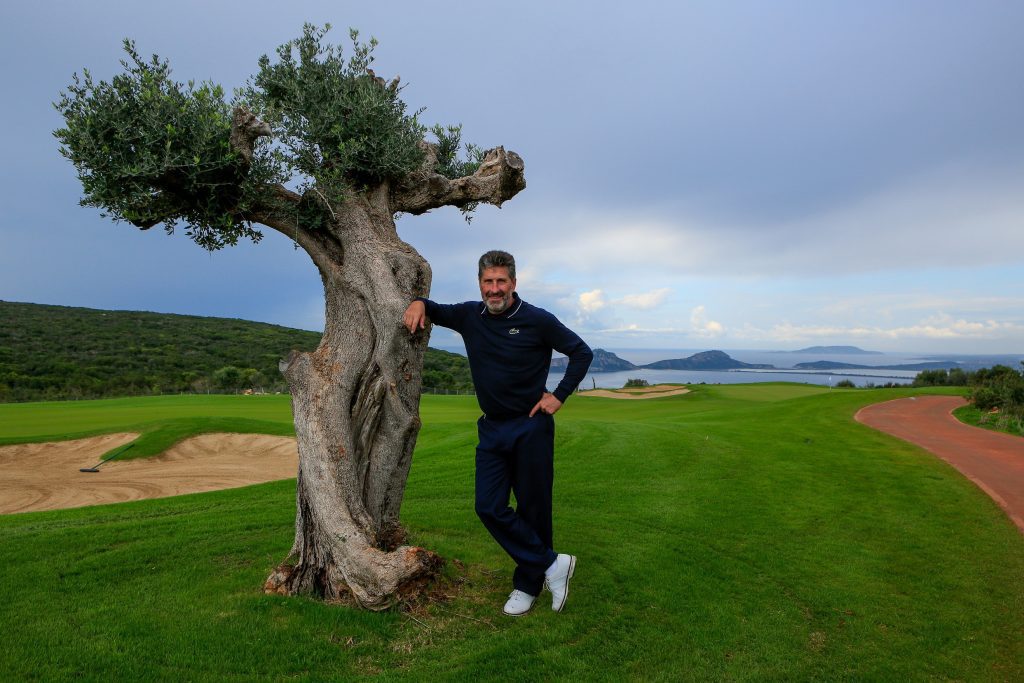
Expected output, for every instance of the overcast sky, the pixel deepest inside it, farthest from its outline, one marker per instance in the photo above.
(731, 175)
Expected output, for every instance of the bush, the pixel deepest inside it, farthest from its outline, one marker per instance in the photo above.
(954, 377)
(999, 390)
(630, 383)
(985, 398)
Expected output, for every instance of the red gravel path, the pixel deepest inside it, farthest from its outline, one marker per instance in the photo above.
(992, 460)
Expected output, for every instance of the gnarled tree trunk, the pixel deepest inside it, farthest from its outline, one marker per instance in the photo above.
(150, 151)
(356, 397)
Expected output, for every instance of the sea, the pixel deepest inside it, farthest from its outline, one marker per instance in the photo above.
(784, 362)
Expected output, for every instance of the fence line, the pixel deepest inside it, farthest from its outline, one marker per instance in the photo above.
(436, 391)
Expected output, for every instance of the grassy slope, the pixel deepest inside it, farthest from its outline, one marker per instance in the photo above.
(55, 352)
(738, 532)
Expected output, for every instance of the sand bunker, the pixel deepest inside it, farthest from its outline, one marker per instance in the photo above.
(45, 476)
(654, 391)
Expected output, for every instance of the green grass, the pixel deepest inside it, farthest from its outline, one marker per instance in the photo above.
(745, 532)
(1007, 424)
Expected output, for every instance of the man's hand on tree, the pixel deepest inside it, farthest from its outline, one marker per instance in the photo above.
(415, 317)
(547, 404)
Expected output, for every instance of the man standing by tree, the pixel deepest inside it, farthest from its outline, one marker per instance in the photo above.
(323, 150)
(509, 343)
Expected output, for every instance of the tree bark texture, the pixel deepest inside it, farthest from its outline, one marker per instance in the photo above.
(356, 397)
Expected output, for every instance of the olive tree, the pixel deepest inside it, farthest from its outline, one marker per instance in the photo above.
(321, 149)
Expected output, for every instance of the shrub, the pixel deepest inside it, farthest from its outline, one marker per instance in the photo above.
(1000, 390)
(985, 398)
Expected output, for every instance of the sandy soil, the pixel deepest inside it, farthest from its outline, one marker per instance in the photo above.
(45, 476)
(992, 460)
(655, 391)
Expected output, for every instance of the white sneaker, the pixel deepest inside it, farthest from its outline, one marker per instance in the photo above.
(557, 579)
(519, 603)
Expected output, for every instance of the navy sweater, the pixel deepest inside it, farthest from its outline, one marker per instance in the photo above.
(510, 353)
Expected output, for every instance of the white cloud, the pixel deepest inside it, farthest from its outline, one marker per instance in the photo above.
(941, 327)
(946, 327)
(646, 300)
(592, 301)
(634, 328)
(702, 327)
(594, 310)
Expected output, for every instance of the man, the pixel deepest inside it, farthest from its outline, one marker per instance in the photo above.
(509, 343)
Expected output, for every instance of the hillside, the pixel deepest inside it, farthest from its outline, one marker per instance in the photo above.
(604, 361)
(705, 360)
(58, 352)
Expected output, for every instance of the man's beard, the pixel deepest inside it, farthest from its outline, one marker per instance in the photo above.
(498, 307)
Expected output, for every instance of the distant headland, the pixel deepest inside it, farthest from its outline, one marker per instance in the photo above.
(606, 361)
(835, 351)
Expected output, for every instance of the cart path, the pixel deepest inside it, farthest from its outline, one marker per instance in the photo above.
(992, 460)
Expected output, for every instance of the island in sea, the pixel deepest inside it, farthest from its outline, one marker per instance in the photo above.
(835, 351)
(833, 365)
(606, 361)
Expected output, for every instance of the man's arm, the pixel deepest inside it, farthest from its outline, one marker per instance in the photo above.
(580, 357)
(423, 311)
(564, 340)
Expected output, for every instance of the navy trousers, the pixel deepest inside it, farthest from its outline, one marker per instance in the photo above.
(517, 456)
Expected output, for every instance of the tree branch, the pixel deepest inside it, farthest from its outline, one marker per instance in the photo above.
(499, 178)
(245, 129)
(280, 209)
(280, 212)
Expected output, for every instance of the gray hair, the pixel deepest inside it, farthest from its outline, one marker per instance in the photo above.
(497, 259)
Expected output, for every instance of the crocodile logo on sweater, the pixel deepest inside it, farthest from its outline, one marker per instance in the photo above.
(514, 330)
